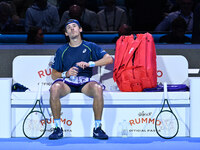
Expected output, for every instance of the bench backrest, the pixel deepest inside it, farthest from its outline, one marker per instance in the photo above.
(30, 70)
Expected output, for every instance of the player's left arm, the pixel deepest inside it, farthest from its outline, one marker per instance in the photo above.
(107, 59)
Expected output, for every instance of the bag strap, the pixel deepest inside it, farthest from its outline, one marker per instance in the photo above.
(133, 47)
(121, 46)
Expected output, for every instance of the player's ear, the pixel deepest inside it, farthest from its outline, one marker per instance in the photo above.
(66, 34)
(81, 29)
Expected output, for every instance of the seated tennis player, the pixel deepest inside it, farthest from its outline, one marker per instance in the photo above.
(72, 72)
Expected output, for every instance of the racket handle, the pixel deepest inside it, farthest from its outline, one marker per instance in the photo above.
(39, 90)
(165, 90)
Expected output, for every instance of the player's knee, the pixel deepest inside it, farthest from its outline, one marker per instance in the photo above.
(97, 90)
(55, 90)
(55, 87)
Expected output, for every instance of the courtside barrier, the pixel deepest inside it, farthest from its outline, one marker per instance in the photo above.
(194, 107)
(5, 107)
(60, 38)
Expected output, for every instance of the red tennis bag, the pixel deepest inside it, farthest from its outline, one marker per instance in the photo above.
(135, 63)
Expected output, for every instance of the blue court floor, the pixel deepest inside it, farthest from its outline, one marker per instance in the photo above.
(130, 143)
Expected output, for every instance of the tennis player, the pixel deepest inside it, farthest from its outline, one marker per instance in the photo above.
(76, 59)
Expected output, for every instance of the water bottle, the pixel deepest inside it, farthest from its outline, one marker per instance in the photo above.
(73, 78)
(124, 130)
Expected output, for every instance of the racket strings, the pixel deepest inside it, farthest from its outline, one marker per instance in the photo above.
(168, 124)
(34, 125)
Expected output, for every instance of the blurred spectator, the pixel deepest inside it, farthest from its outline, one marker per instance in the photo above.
(175, 5)
(123, 30)
(35, 35)
(18, 21)
(64, 5)
(119, 3)
(92, 5)
(88, 17)
(12, 6)
(53, 2)
(173, 1)
(177, 35)
(145, 15)
(111, 17)
(8, 21)
(21, 6)
(44, 15)
(185, 12)
(196, 27)
(76, 13)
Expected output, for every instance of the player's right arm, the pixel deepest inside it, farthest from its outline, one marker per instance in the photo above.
(56, 74)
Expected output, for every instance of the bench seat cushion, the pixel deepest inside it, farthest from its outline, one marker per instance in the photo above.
(118, 98)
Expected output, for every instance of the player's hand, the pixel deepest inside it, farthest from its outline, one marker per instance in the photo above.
(82, 64)
(73, 71)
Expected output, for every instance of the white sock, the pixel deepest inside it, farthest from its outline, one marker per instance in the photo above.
(97, 123)
(57, 123)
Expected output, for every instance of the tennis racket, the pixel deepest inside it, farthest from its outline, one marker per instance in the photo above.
(34, 125)
(166, 122)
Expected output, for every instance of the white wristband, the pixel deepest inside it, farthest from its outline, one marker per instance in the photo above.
(91, 64)
(64, 74)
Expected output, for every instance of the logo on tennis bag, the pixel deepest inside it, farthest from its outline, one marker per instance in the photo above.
(135, 63)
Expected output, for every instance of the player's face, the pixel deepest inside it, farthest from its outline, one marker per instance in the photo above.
(73, 30)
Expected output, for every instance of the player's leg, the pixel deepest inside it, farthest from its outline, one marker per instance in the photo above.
(57, 90)
(94, 90)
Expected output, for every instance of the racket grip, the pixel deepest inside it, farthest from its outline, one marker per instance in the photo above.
(165, 90)
(39, 90)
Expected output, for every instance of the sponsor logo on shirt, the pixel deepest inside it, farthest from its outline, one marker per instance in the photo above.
(84, 51)
(103, 51)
